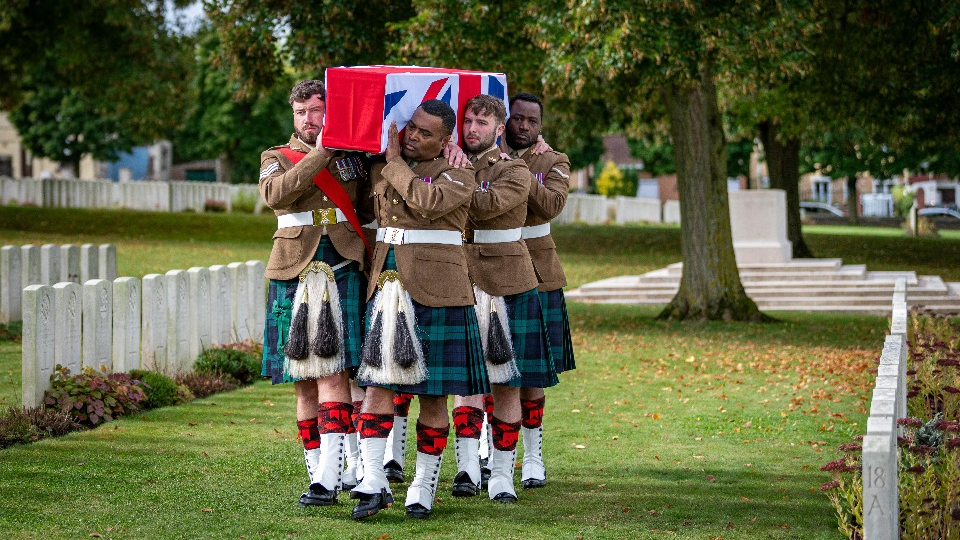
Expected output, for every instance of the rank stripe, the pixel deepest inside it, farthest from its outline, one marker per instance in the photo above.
(561, 173)
(270, 169)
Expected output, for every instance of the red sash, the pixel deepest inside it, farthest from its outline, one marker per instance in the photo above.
(332, 189)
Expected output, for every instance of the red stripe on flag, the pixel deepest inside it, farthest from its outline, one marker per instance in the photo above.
(435, 88)
(469, 87)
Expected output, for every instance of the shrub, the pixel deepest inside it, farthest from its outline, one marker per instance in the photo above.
(611, 181)
(213, 205)
(242, 365)
(161, 390)
(11, 331)
(202, 385)
(28, 424)
(92, 397)
(244, 201)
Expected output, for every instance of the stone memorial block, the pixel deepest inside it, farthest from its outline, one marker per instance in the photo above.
(671, 212)
(68, 336)
(108, 262)
(153, 336)
(882, 425)
(97, 324)
(758, 221)
(11, 289)
(30, 259)
(89, 263)
(70, 263)
(39, 340)
(221, 305)
(178, 321)
(881, 510)
(240, 298)
(201, 338)
(258, 299)
(126, 324)
(49, 264)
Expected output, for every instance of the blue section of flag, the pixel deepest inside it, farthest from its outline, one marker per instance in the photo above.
(447, 96)
(494, 88)
(390, 101)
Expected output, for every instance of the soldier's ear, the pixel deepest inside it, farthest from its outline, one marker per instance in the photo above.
(445, 140)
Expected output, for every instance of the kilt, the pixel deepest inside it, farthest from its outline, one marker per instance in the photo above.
(351, 285)
(531, 346)
(558, 329)
(450, 338)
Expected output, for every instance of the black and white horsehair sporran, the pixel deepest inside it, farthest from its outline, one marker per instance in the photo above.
(315, 346)
(392, 352)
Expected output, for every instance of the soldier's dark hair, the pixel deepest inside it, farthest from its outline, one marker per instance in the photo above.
(305, 90)
(435, 107)
(487, 105)
(526, 96)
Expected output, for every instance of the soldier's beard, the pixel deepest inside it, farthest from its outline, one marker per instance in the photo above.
(306, 138)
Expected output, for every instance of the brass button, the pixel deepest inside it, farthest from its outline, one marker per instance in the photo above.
(396, 201)
(325, 198)
(394, 219)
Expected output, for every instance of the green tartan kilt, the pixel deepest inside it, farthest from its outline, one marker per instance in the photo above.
(531, 345)
(450, 338)
(558, 329)
(351, 285)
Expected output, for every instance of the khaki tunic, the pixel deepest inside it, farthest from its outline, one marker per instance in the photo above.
(289, 188)
(546, 201)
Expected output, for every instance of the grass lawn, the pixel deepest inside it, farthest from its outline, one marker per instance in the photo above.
(665, 430)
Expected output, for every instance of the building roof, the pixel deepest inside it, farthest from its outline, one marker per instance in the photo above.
(617, 150)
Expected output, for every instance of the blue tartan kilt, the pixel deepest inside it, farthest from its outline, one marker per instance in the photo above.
(558, 329)
(531, 345)
(450, 337)
(351, 284)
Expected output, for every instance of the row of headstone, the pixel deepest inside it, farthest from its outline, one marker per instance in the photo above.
(590, 209)
(22, 266)
(881, 504)
(635, 209)
(161, 323)
(146, 195)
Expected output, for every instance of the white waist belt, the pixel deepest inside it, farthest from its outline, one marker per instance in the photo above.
(495, 236)
(325, 216)
(393, 235)
(535, 231)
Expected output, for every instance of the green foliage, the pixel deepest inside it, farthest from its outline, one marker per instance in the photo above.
(902, 200)
(244, 366)
(201, 385)
(738, 157)
(656, 153)
(93, 397)
(161, 391)
(244, 201)
(20, 425)
(11, 331)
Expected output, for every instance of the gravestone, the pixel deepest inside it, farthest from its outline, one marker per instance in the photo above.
(881, 507)
(39, 338)
(97, 324)
(258, 300)
(68, 335)
(49, 264)
(89, 263)
(178, 323)
(758, 221)
(126, 324)
(221, 306)
(30, 259)
(11, 289)
(70, 263)
(240, 296)
(200, 316)
(108, 262)
(154, 324)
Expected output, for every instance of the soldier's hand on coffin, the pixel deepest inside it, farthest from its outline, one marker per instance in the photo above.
(455, 155)
(323, 150)
(393, 143)
(541, 146)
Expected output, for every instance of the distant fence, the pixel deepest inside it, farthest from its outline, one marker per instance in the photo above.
(161, 322)
(147, 195)
(881, 504)
(21, 266)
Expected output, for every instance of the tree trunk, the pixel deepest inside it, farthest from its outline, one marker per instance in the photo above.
(853, 212)
(783, 167)
(710, 286)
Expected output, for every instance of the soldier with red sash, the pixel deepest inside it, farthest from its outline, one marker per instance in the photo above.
(314, 328)
(548, 195)
(422, 332)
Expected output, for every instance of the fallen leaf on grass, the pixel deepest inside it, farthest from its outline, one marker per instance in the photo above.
(711, 478)
(206, 510)
(579, 446)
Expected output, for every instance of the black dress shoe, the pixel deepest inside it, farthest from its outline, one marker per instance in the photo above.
(317, 495)
(394, 472)
(531, 483)
(418, 511)
(505, 498)
(463, 486)
(347, 487)
(369, 505)
(484, 473)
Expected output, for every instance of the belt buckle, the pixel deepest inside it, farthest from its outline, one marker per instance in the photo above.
(325, 216)
(467, 236)
(393, 235)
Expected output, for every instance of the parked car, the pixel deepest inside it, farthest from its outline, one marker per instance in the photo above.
(814, 209)
(937, 211)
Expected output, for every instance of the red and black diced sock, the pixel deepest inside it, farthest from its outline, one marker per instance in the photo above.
(401, 404)
(467, 422)
(431, 440)
(505, 434)
(355, 416)
(334, 417)
(488, 405)
(375, 426)
(309, 433)
(531, 416)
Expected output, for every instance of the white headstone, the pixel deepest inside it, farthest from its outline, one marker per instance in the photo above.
(108, 262)
(39, 333)
(49, 264)
(881, 510)
(89, 264)
(69, 340)
(758, 221)
(200, 317)
(240, 297)
(30, 259)
(258, 300)
(126, 324)
(178, 323)
(221, 306)
(11, 290)
(70, 263)
(154, 324)
(97, 324)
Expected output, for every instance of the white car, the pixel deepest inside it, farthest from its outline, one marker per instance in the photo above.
(811, 208)
(937, 211)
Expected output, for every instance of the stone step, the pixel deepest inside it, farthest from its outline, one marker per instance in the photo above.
(636, 283)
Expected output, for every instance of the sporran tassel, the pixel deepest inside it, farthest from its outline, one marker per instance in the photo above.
(499, 351)
(404, 352)
(296, 347)
(372, 354)
(326, 343)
